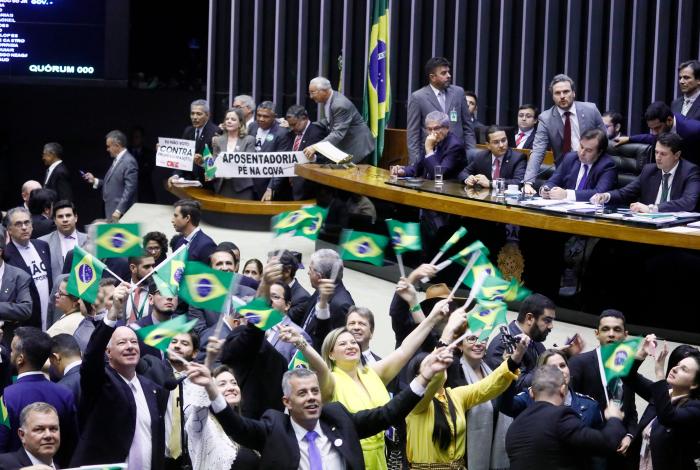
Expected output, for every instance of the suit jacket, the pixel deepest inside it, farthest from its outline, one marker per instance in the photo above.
(15, 460)
(693, 112)
(585, 378)
(513, 137)
(16, 303)
(57, 260)
(200, 248)
(346, 128)
(33, 388)
(59, 181)
(421, 103)
(298, 188)
(71, 380)
(549, 436)
(685, 188)
(339, 305)
(219, 144)
(494, 357)
(14, 258)
(42, 226)
(248, 353)
(205, 138)
(106, 398)
(273, 436)
(277, 140)
(688, 129)
(287, 350)
(602, 175)
(550, 134)
(448, 153)
(479, 163)
(120, 185)
(204, 340)
(300, 297)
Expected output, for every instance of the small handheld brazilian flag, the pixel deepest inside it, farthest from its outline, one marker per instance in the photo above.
(172, 270)
(304, 222)
(362, 246)
(260, 313)
(493, 288)
(159, 335)
(85, 275)
(516, 292)
(204, 287)
(4, 415)
(208, 162)
(118, 240)
(487, 314)
(453, 239)
(298, 361)
(618, 358)
(405, 236)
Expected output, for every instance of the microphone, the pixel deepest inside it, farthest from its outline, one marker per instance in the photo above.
(171, 383)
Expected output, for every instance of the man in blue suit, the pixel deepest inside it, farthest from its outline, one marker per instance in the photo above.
(185, 221)
(65, 361)
(498, 161)
(671, 184)
(584, 173)
(269, 137)
(30, 350)
(689, 83)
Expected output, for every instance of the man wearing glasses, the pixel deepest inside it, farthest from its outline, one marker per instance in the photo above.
(527, 125)
(15, 299)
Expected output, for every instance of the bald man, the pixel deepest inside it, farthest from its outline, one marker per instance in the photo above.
(132, 404)
(27, 189)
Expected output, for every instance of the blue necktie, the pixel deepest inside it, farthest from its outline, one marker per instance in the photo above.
(584, 178)
(315, 462)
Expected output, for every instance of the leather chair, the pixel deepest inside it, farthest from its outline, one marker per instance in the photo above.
(630, 158)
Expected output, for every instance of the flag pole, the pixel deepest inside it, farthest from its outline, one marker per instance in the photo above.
(227, 305)
(466, 270)
(399, 260)
(114, 274)
(182, 247)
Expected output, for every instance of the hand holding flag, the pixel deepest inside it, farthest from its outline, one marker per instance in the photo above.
(362, 246)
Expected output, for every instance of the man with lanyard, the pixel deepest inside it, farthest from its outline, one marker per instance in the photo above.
(137, 306)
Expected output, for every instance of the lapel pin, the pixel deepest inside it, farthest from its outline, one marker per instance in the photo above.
(338, 442)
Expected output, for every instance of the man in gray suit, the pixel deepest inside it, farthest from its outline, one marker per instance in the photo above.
(15, 299)
(346, 128)
(437, 95)
(121, 181)
(65, 237)
(560, 127)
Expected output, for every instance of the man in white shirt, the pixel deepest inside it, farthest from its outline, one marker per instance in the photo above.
(360, 323)
(65, 237)
(137, 305)
(40, 435)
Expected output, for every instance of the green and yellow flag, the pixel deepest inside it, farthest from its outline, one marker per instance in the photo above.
(163, 287)
(482, 265)
(487, 314)
(516, 292)
(260, 313)
(204, 287)
(4, 415)
(457, 236)
(405, 236)
(208, 162)
(376, 108)
(118, 240)
(362, 246)
(618, 357)
(173, 269)
(298, 361)
(85, 275)
(304, 222)
(462, 256)
(159, 335)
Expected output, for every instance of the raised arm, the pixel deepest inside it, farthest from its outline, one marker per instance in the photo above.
(318, 365)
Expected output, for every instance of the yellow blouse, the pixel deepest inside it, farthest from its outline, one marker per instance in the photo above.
(355, 399)
(420, 447)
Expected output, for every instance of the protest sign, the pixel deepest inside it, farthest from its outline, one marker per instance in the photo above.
(257, 165)
(177, 154)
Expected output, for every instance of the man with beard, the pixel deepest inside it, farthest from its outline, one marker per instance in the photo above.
(162, 307)
(535, 319)
(586, 377)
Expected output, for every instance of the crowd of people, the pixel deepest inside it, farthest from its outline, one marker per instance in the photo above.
(309, 392)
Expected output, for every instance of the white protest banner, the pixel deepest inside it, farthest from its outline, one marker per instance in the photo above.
(177, 154)
(257, 165)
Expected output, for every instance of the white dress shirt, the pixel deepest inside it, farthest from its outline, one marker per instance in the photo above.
(575, 129)
(140, 449)
(688, 102)
(36, 461)
(526, 135)
(68, 242)
(331, 458)
(52, 167)
(571, 193)
(672, 172)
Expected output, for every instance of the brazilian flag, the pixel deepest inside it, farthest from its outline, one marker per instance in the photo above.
(453, 239)
(462, 257)
(405, 236)
(163, 287)
(260, 313)
(493, 288)
(4, 415)
(298, 361)
(208, 161)
(171, 271)
(376, 108)
(618, 357)
(362, 246)
(304, 222)
(204, 287)
(516, 292)
(118, 240)
(85, 275)
(487, 314)
(160, 335)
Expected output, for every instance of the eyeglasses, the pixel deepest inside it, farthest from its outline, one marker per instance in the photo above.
(524, 115)
(60, 294)
(473, 339)
(434, 129)
(22, 223)
(153, 249)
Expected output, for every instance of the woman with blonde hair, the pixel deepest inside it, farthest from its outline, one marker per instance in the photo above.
(234, 139)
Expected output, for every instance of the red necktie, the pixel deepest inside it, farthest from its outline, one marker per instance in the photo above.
(497, 169)
(297, 142)
(520, 138)
(135, 306)
(566, 145)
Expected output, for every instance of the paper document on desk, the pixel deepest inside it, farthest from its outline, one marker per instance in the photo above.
(539, 202)
(694, 224)
(183, 183)
(572, 206)
(682, 229)
(332, 152)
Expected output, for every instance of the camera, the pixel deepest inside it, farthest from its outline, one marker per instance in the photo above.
(509, 341)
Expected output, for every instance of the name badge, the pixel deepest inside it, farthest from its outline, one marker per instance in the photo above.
(453, 116)
(270, 137)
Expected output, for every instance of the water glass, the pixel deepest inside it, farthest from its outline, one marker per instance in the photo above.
(500, 185)
(438, 175)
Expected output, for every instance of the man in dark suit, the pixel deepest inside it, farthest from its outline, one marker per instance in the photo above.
(120, 183)
(40, 433)
(57, 175)
(65, 237)
(535, 319)
(586, 378)
(613, 125)
(497, 162)
(527, 126)
(245, 103)
(185, 221)
(32, 257)
(201, 131)
(550, 435)
(560, 127)
(291, 261)
(303, 133)
(269, 137)
(65, 361)
(689, 83)
(669, 185)
(582, 174)
(39, 204)
(346, 128)
(437, 95)
(15, 298)
(31, 348)
(329, 304)
(313, 435)
(116, 394)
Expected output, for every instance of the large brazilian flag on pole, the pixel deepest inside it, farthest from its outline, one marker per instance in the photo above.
(377, 104)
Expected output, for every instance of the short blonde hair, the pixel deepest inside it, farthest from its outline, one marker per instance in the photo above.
(329, 344)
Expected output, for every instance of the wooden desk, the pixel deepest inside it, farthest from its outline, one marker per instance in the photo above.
(370, 181)
(215, 203)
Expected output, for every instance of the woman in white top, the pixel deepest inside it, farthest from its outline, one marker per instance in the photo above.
(70, 306)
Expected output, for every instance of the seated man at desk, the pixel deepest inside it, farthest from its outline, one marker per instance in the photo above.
(442, 148)
(498, 161)
(671, 184)
(584, 173)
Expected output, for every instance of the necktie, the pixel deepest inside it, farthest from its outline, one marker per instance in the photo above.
(584, 178)
(297, 142)
(135, 314)
(315, 462)
(664, 187)
(496, 168)
(441, 99)
(687, 103)
(566, 144)
(197, 133)
(519, 138)
(175, 442)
